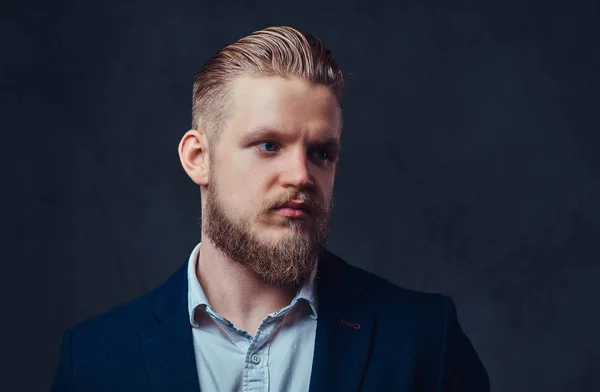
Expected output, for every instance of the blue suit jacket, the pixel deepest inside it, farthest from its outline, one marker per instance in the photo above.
(371, 336)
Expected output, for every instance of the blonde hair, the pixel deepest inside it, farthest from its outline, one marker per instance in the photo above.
(274, 51)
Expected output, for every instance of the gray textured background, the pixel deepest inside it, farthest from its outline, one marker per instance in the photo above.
(470, 165)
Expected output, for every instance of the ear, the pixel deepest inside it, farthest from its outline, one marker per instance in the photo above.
(194, 157)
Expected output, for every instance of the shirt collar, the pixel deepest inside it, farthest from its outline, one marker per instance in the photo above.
(197, 297)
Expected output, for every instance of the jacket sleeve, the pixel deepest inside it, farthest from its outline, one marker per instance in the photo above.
(63, 379)
(460, 367)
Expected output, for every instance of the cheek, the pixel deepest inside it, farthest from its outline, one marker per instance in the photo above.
(241, 188)
(326, 183)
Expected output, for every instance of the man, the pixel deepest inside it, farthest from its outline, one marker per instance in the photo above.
(261, 305)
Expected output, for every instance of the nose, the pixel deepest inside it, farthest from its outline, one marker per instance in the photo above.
(297, 171)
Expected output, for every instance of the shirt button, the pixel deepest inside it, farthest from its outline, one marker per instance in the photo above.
(255, 359)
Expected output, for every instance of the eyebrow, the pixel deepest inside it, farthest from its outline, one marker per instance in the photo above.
(271, 133)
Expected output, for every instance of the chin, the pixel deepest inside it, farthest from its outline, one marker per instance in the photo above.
(282, 231)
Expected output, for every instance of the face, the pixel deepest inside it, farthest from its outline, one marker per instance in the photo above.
(280, 144)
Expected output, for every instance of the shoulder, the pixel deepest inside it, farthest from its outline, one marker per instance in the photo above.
(423, 313)
(125, 321)
(380, 292)
(425, 325)
(417, 325)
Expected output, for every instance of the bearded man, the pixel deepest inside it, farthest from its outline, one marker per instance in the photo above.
(261, 305)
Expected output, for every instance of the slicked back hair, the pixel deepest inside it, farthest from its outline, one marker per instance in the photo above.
(274, 51)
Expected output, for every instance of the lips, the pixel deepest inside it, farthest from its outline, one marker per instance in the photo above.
(294, 209)
(296, 205)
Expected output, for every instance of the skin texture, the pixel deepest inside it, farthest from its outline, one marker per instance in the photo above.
(280, 143)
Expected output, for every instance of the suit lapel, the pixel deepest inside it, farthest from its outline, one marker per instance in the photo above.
(167, 346)
(345, 330)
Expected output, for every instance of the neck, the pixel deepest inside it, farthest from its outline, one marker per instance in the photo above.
(237, 293)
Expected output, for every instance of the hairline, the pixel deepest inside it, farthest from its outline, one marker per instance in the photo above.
(226, 96)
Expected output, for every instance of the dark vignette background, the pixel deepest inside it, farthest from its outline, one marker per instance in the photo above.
(470, 164)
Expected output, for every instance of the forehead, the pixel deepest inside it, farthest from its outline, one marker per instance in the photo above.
(288, 104)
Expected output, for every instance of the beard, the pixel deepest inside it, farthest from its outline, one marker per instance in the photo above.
(290, 259)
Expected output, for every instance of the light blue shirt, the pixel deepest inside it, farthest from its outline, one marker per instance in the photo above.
(278, 358)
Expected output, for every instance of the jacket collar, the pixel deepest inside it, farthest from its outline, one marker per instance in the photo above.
(345, 330)
(167, 346)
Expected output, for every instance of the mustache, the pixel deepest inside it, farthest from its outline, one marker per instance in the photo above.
(311, 202)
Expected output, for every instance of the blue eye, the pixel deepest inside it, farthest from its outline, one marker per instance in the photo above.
(269, 146)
